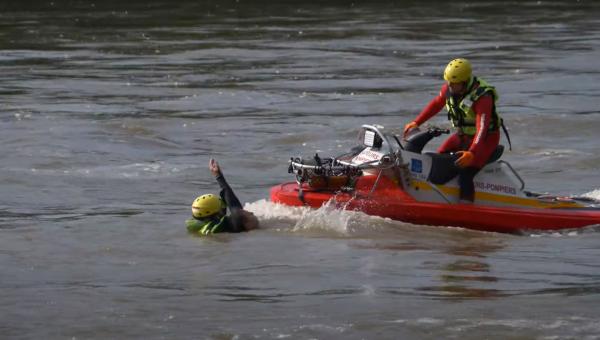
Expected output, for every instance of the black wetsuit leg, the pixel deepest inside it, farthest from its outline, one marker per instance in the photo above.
(465, 181)
(233, 203)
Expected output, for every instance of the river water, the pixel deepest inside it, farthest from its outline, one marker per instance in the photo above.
(109, 112)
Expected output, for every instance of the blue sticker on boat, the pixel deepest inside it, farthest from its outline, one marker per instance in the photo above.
(416, 165)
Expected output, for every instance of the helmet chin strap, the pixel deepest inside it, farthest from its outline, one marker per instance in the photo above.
(470, 83)
(467, 88)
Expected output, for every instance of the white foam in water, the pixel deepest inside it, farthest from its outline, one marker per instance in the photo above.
(327, 217)
(595, 194)
(266, 210)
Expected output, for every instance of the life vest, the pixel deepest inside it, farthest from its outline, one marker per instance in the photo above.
(461, 113)
(206, 226)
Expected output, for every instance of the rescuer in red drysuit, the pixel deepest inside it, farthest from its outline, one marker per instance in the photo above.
(471, 106)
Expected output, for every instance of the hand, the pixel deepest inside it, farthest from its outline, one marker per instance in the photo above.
(409, 127)
(214, 168)
(465, 159)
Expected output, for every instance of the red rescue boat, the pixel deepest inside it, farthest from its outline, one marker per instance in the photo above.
(400, 182)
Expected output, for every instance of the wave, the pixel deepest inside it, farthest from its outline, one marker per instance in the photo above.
(557, 153)
(331, 221)
(148, 170)
(328, 219)
(595, 194)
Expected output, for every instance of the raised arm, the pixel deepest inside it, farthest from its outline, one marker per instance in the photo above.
(226, 192)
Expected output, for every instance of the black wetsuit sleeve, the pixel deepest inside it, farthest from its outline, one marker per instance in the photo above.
(227, 194)
(235, 218)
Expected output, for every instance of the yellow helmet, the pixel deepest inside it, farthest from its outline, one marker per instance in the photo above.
(458, 71)
(206, 205)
